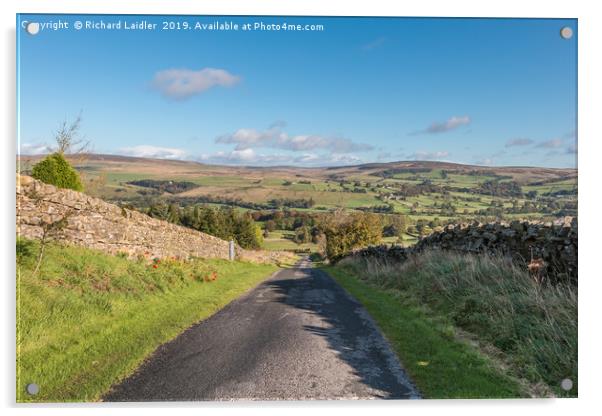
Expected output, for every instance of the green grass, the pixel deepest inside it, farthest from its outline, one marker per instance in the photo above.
(441, 366)
(282, 240)
(533, 328)
(87, 319)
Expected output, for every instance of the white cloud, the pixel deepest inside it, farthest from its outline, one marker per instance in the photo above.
(249, 157)
(568, 139)
(445, 126)
(551, 144)
(245, 157)
(308, 159)
(180, 84)
(519, 142)
(328, 160)
(422, 155)
(32, 149)
(155, 152)
(276, 138)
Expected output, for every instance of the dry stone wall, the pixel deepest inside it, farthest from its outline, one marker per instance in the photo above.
(94, 223)
(524, 241)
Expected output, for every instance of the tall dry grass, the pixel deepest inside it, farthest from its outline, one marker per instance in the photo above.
(494, 299)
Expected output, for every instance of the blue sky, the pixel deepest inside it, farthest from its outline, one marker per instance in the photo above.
(477, 91)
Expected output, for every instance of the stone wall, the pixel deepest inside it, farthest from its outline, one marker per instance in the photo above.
(554, 243)
(96, 224)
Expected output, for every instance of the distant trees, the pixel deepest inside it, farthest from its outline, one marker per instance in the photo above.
(394, 225)
(224, 223)
(279, 203)
(172, 187)
(270, 225)
(500, 189)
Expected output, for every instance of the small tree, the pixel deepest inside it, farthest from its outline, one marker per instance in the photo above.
(51, 230)
(68, 138)
(302, 235)
(55, 170)
(247, 233)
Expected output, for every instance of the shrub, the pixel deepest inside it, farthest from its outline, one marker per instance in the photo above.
(55, 170)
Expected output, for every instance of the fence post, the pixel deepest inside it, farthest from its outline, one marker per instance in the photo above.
(231, 250)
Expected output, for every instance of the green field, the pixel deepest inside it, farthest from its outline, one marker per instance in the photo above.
(351, 188)
(282, 240)
(105, 314)
(428, 194)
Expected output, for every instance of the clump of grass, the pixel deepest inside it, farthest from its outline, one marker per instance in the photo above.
(24, 249)
(534, 325)
(88, 319)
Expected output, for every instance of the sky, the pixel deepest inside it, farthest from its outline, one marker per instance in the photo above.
(499, 92)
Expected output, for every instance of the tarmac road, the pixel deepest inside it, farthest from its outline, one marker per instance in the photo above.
(296, 336)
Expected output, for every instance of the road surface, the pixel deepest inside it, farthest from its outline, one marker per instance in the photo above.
(297, 336)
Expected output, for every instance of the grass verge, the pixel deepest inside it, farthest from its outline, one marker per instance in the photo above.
(441, 367)
(531, 328)
(87, 319)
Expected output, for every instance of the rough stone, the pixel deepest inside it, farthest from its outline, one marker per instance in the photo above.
(555, 243)
(97, 224)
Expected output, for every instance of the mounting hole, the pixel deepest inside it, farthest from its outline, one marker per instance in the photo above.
(566, 32)
(32, 28)
(32, 388)
(566, 384)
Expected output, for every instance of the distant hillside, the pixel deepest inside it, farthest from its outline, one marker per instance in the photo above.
(435, 192)
(116, 163)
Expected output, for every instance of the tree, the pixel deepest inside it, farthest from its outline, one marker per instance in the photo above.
(395, 225)
(531, 195)
(55, 170)
(302, 235)
(159, 210)
(248, 235)
(173, 214)
(270, 225)
(68, 139)
(345, 233)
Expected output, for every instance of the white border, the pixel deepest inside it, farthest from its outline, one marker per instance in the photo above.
(590, 73)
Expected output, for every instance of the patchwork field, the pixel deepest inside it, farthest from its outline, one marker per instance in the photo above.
(428, 194)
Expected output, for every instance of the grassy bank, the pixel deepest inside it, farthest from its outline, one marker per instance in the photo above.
(426, 305)
(87, 319)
